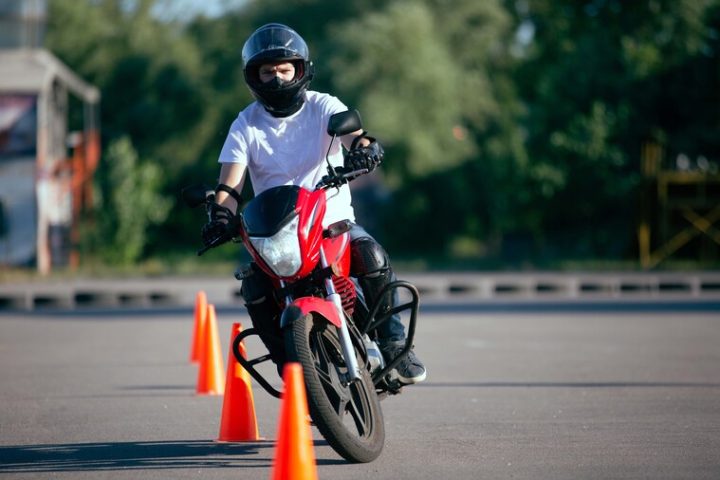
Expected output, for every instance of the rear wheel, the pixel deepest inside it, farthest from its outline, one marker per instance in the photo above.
(347, 415)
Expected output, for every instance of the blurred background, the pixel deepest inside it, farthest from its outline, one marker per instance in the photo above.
(519, 134)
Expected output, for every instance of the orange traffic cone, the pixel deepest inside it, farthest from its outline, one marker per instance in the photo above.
(238, 422)
(211, 364)
(199, 327)
(294, 456)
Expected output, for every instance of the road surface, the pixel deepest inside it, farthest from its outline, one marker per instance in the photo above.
(565, 394)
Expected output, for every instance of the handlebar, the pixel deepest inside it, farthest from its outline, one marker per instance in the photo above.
(335, 179)
(342, 176)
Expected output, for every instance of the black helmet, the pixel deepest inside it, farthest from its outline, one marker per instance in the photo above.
(271, 43)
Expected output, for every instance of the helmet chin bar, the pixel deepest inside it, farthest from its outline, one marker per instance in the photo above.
(277, 83)
(284, 112)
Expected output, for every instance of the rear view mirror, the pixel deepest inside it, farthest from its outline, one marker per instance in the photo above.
(344, 122)
(195, 195)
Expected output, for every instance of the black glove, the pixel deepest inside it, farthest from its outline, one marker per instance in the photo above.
(218, 226)
(365, 158)
(212, 231)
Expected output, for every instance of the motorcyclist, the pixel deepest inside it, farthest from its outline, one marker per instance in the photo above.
(281, 139)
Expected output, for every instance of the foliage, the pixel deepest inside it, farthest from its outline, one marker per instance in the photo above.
(128, 204)
(600, 78)
(513, 128)
(149, 72)
(399, 97)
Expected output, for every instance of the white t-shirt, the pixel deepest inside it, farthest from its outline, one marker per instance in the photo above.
(290, 150)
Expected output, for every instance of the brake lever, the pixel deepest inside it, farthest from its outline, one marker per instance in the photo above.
(355, 173)
(215, 243)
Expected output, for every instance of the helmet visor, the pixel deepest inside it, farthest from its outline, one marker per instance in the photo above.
(274, 42)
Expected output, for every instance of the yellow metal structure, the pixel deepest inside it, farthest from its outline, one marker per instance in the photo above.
(676, 207)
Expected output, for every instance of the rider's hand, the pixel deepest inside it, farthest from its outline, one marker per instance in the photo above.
(365, 158)
(212, 231)
(220, 225)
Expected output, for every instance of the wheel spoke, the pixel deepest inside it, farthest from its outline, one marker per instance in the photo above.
(357, 408)
(324, 351)
(324, 367)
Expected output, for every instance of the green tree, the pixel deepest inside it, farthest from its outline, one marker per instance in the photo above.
(512, 127)
(155, 86)
(129, 202)
(150, 73)
(433, 79)
(599, 78)
(395, 66)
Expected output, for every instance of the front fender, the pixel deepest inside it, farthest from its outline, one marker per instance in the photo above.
(304, 305)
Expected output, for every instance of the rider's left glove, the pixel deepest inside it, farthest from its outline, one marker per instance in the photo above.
(365, 158)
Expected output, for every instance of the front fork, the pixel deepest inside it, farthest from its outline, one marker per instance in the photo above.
(353, 369)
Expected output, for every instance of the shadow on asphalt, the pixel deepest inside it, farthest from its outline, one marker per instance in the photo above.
(567, 385)
(162, 455)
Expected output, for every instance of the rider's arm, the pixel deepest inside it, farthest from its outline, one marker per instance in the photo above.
(232, 175)
(348, 139)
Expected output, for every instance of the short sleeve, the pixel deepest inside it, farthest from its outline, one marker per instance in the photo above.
(331, 105)
(235, 148)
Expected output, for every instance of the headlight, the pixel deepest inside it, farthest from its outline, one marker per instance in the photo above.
(281, 251)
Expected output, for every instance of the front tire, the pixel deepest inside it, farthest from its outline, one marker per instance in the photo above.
(348, 416)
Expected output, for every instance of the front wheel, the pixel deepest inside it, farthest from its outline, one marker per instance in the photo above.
(347, 415)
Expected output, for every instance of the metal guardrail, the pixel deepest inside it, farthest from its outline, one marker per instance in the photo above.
(447, 287)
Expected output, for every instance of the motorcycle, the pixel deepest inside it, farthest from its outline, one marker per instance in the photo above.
(326, 325)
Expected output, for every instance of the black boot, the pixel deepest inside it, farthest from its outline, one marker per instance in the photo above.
(410, 369)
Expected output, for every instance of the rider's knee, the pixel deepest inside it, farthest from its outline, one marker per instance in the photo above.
(368, 258)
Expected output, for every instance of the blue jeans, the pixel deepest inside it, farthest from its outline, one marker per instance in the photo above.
(391, 330)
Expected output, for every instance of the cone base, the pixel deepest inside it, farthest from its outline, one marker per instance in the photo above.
(258, 440)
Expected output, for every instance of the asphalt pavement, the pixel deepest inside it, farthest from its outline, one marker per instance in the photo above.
(536, 394)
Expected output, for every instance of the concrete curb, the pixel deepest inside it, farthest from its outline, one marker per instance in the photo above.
(445, 286)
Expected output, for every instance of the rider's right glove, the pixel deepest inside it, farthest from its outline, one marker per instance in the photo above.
(365, 158)
(219, 225)
(212, 231)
